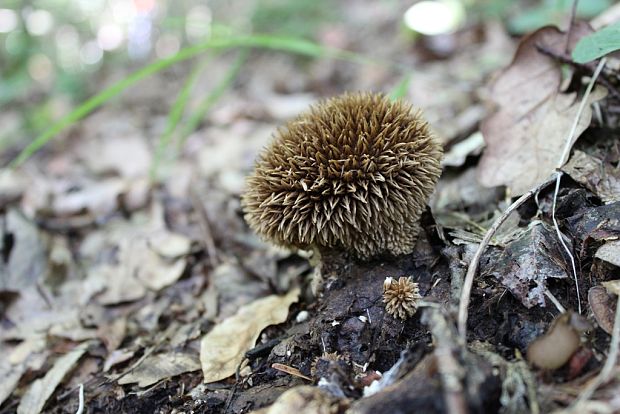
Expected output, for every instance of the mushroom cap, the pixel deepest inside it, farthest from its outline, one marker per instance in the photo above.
(354, 172)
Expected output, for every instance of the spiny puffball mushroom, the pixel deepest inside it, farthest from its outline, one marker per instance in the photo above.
(401, 297)
(354, 173)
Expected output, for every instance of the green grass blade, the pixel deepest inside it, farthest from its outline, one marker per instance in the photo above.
(400, 90)
(217, 92)
(175, 115)
(278, 43)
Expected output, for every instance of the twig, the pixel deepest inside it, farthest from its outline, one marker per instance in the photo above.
(290, 370)
(450, 370)
(473, 265)
(80, 409)
(203, 219)
(558, 175)
(555, 301)
(569, 141)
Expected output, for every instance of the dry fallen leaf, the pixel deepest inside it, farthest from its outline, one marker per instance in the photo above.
(224, 347)
(459, 152)
(39, 392)
(526, 264)
(305, 399)
(10, 375)
(161, 366)
(600, 177)
(526, 135)
(26, 263)
(603, 307)
(612, 286)
(610, 252)
(149, 257)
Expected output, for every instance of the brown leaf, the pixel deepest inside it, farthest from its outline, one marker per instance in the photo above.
(224, 347)
(161, 366)
(600, 177)
(526, 135)
(610, 252)
(603, 307)
(37, 395)
(528, 262)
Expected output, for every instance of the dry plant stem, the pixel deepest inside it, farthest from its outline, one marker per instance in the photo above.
(558, 175)
(610, 362)
(555, 301)
(473, 266)
(450, 371)
(80, 409)
(290, 370)
(203, 219)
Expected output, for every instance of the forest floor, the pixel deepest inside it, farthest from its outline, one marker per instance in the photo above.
(115, 288)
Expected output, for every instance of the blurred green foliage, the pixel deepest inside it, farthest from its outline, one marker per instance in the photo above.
(525, 16)
(299, 18)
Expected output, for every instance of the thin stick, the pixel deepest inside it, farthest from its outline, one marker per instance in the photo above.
(558, 175)
(80, 409)
(473, 266)
(555, 301)
(569, 141)
(205, 227)
(450, 370)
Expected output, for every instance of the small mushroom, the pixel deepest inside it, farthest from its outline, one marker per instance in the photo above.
(353, 173)
(553, 349)
(401, 297)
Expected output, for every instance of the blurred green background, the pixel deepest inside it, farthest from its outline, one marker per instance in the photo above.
(53, 53)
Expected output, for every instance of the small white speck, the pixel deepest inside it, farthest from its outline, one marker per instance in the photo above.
(362, 318)
(335, 323)
(302, 316)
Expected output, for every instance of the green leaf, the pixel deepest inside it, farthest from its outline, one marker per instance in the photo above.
(175, 114)
(196, 117)
(598, 44)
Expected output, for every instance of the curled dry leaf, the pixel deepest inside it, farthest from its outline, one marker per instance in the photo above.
(526, 135)
(224, 347)
(603, 307)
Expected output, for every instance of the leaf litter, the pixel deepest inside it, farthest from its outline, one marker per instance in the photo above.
(156, 306)
(524, 137)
